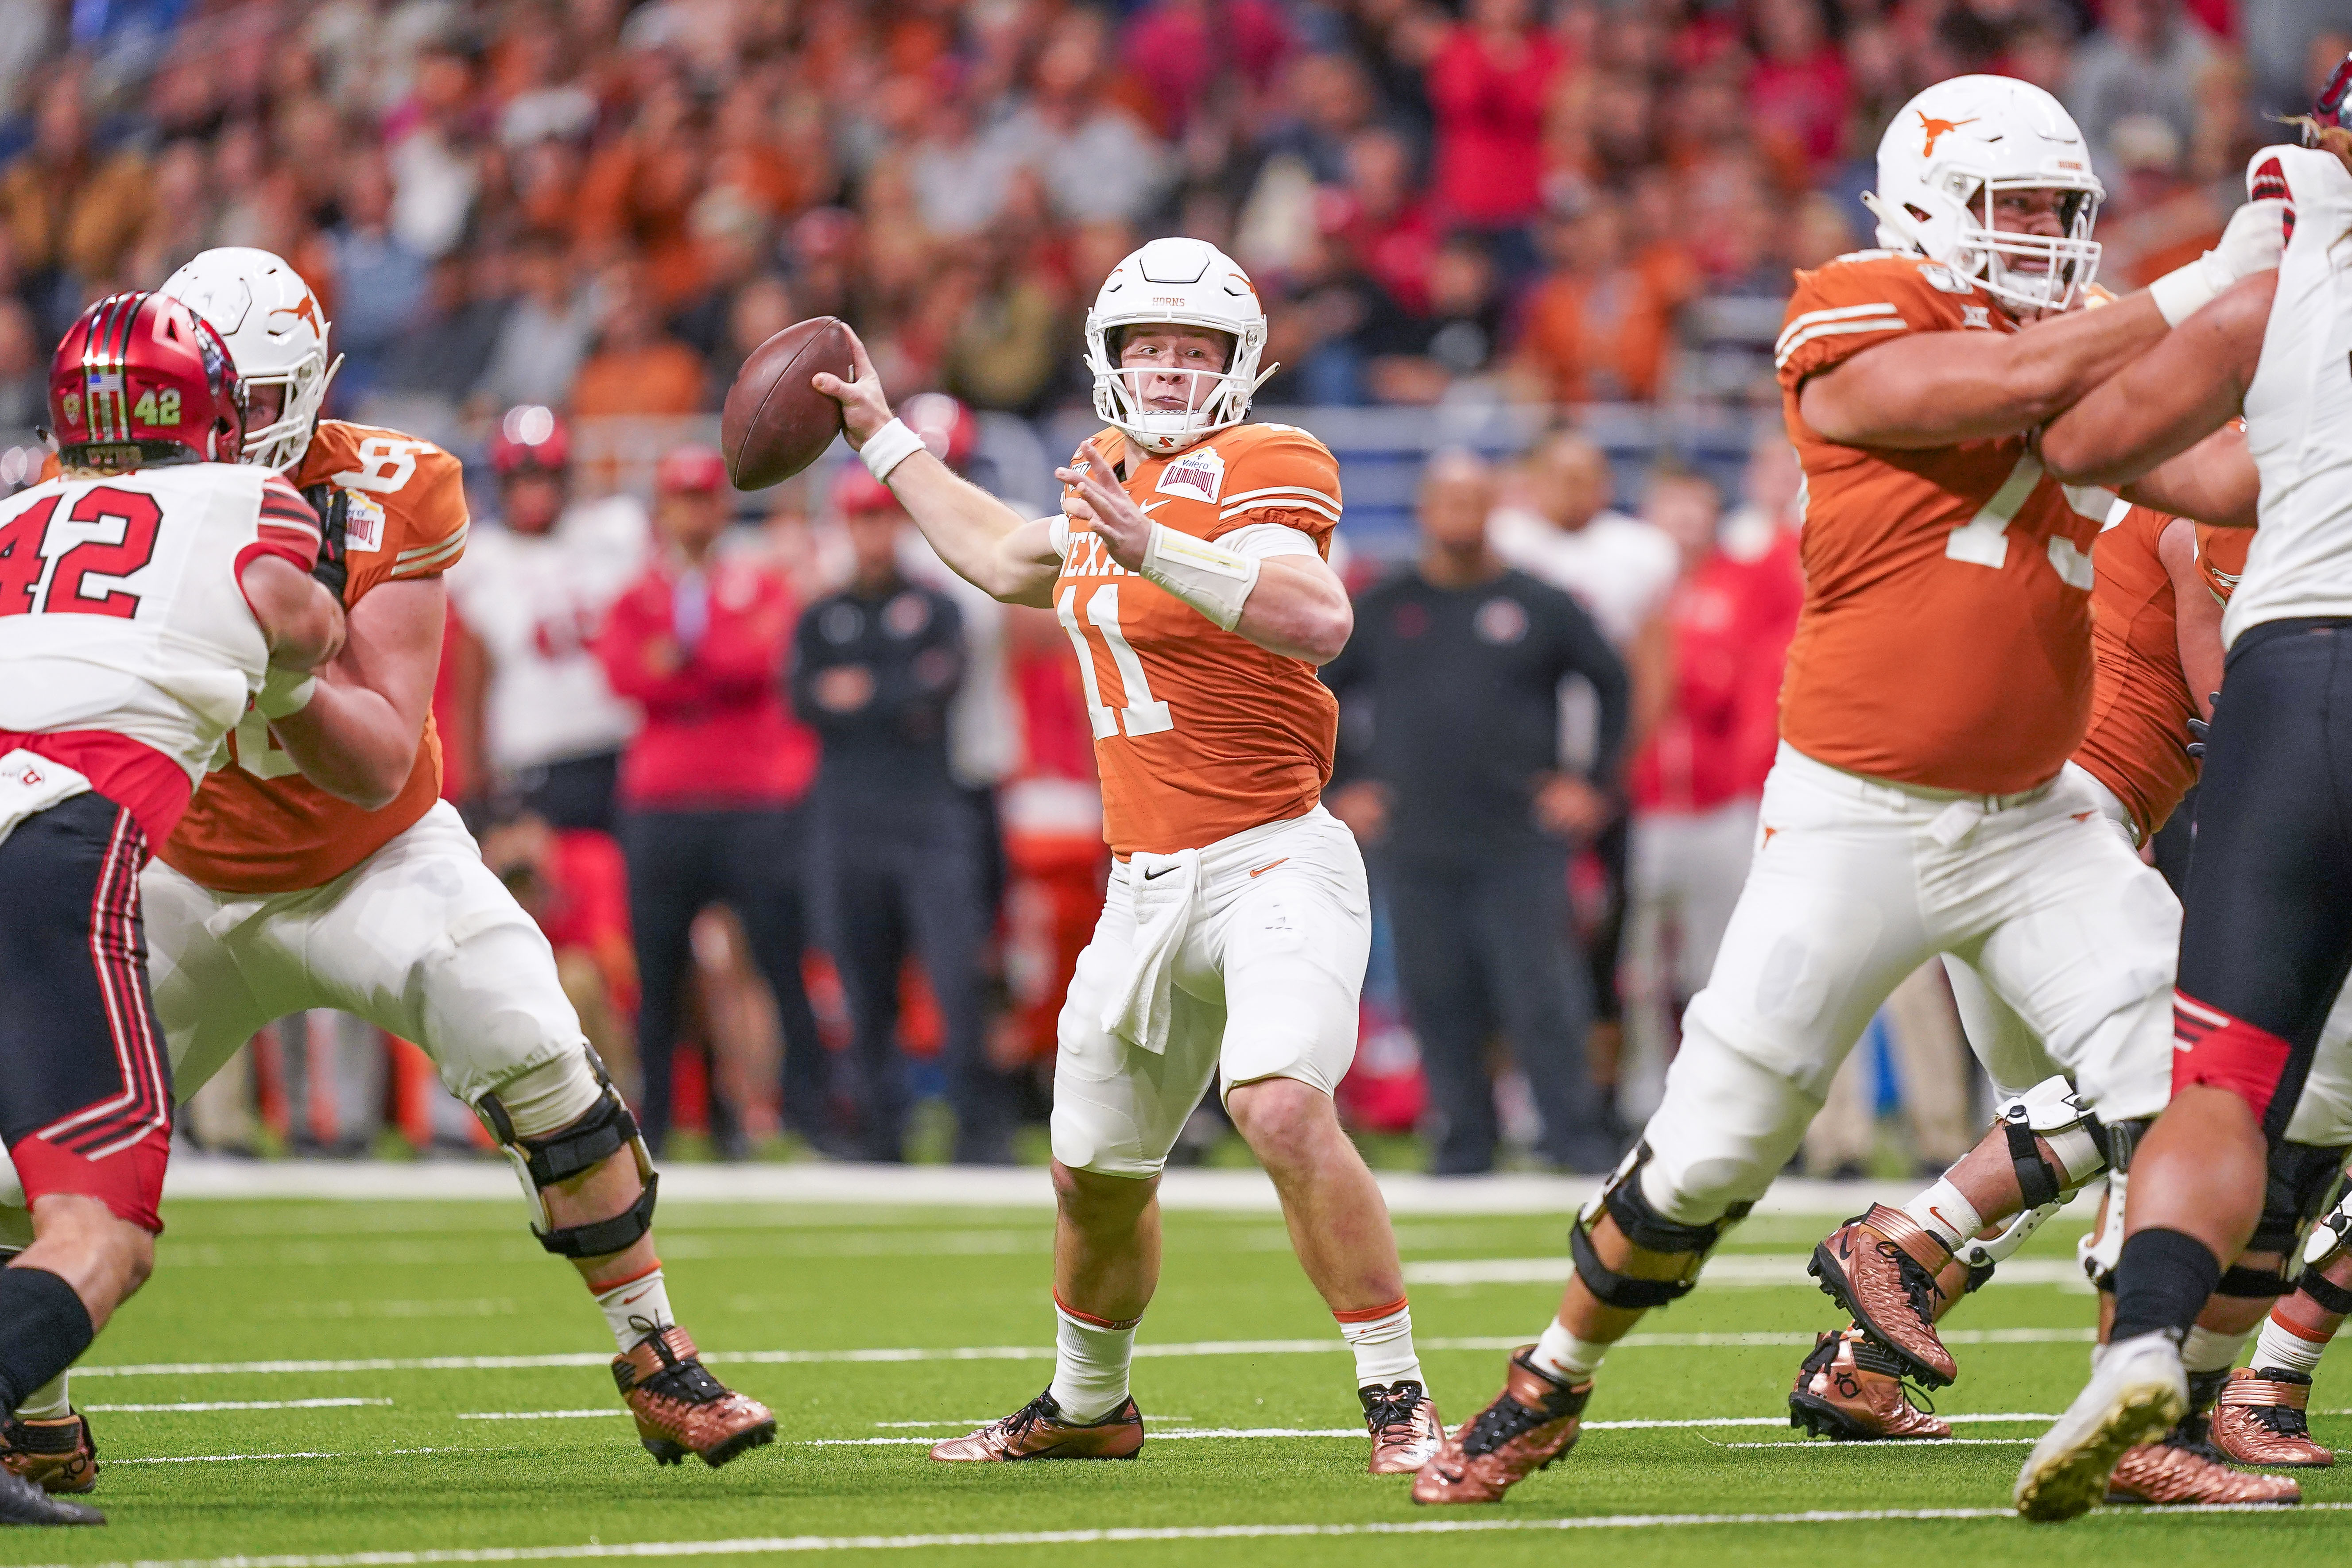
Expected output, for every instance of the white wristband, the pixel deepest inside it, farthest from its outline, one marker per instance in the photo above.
(1211, 578)
(2185, 291)
(889, 446)
(285, 691)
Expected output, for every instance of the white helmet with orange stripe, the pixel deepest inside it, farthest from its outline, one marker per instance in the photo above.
(277, 334)
(1952, 149)
(1177, 283)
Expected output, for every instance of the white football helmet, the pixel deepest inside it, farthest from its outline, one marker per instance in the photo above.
(1946, 153)
(277, 334)
(1177, 282)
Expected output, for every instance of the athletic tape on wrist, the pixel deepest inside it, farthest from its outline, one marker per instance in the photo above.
(887, 448)
(2183, 292)
(1209, 577)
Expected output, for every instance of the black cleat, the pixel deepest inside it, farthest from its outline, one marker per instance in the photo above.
(22, 1502)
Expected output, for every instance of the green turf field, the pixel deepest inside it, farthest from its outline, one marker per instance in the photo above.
(872, 1330)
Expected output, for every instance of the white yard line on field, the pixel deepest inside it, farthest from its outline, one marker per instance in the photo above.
(1014, 1352)
(305, 1454)
(1737, 1269)
(537, 1414)
(234, 1405)
(1703, 1422)
(1810, 1447)
(768, 1545)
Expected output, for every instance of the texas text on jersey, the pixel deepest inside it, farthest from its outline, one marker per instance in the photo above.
(257, 824)
(1199, 733)
(1945, 638)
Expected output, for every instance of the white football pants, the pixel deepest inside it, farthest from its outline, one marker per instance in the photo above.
(1267, 972)
(1855, 883)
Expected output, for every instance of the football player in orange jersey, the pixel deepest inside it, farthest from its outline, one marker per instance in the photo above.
(1940, 678)
(364, 892)
(1189, 569)
(2155, 636)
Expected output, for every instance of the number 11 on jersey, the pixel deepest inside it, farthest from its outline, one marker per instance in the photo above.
(1143, 715)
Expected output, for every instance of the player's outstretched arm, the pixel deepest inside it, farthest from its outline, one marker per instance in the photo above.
(1295, 606)
(1927, 390)
(986, 543)
(1936, 389)
(356, 737)
(2169, 399)
(300, 619)
(2214, 481)
(2196, 616)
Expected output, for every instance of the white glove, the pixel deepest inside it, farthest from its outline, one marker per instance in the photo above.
(2253, 242)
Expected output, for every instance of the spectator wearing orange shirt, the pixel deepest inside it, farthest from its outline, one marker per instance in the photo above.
(711, 786)
(637, 367)
(1600, 327)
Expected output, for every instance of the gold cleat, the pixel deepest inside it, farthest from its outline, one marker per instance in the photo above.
(682, 1409)
(1037, 1431)
(1534, 1421)
(2260, 1421)
(1851, 1389)
(1404, 1424)
(57, 1455)
(2172, 1473)
(1881, 1267)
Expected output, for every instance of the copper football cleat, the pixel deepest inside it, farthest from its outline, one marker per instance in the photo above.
(1404, 1423)
(2172, 1472)
(1851, 1389)
(1882, 1269)
(1534, 1421)
(57, 1455)
(2260, 1420)
(1038, 1430)
(682, 1409)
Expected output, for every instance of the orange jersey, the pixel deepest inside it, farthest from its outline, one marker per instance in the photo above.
(1945, 637)
(2137, 744)
(2222, 558)
(257, 824)
(1199, 732)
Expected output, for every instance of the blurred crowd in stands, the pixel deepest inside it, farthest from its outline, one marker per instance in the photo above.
(786, 794)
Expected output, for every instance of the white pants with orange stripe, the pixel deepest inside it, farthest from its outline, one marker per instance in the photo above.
(1267, 970)
(1855, 883)
(2016, 1059)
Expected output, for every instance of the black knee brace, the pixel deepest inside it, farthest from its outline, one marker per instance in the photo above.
(2300, 1186)
(1649, 1230)
(542, 1162)
(2331, 1297)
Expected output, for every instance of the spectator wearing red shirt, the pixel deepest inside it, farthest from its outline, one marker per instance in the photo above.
(1490, 87)
(1696, 782)
(711, 786)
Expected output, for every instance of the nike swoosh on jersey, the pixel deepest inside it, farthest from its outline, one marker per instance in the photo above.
(1269, 865)
(1152, 876)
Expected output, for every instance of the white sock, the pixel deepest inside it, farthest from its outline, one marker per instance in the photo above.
(2286, 1350)
(637, 1309)
(47, 1403)
(1090, 1361)
(1382, 1341)
(1946, 1213)
(2210, 1349)
(1562, 1356)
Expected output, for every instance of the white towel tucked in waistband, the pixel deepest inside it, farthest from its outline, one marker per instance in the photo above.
(1163, 886)
(29, 782)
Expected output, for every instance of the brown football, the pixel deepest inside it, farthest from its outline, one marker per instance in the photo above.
(774, 423)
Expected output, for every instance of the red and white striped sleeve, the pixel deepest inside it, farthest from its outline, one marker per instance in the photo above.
(288, 527)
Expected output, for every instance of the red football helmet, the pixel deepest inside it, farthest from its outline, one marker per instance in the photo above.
(689, 469)
(855, 492)
(530, 437)
(142, 379)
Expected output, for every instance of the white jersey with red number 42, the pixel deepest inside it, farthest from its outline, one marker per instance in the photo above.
(119, 608)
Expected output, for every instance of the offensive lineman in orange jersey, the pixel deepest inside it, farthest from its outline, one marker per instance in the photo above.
(364, 892)
(1188, 570)
(1940, 677)
(2156, 637)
